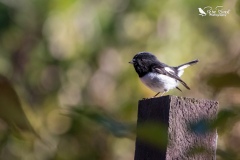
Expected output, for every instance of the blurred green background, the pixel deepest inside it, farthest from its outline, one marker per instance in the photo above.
(68, 63)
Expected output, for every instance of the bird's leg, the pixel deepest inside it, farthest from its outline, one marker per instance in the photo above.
(156, 94)
(165, 90)
(163, 93)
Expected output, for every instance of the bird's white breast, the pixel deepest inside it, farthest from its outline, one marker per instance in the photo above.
(159, 82)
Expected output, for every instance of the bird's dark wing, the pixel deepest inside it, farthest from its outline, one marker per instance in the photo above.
(169, 72)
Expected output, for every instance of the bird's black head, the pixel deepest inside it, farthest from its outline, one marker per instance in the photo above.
(143, 62)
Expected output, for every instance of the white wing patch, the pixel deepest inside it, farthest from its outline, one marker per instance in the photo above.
(183, 67)
(169, 70)
(180, 73)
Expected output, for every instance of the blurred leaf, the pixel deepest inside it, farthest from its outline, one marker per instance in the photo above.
(224, 116)
(153, 133)
(202, 126)
(226, 155)
(11, 110)
(220, 81)
(116, 128)
(224, 121)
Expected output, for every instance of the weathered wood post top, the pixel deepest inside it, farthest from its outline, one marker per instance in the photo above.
(187, 128)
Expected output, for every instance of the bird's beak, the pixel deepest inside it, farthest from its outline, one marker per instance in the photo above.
(131, 62)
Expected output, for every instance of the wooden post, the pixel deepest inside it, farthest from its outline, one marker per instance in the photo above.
(188, 133)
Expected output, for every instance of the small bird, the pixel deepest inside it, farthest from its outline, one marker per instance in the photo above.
(156, 75)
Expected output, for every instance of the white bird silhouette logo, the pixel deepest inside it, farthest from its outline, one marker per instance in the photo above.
(201, 11)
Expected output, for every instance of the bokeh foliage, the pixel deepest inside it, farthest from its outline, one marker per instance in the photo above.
(68, 63)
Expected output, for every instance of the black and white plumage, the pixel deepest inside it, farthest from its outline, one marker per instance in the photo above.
(156, 75)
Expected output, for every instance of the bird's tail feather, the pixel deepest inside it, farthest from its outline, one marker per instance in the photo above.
(185, 65)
